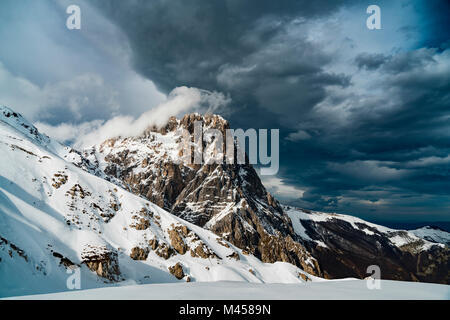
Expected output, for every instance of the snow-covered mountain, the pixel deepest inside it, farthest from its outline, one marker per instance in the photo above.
(345, 246)
(228, 199)
(56, 216)
(433, 234)
(125, 212)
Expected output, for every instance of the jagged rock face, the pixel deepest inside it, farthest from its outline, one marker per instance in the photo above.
(228, 199)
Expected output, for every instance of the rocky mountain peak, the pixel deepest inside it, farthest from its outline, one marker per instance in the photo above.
(228, 199)
(187, 122)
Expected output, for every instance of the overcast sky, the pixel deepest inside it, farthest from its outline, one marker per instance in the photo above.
(364, 115)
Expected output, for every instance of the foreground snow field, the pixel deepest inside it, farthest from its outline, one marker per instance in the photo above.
(327, 290)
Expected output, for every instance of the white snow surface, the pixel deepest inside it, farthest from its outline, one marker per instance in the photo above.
(432, 234)
(327, 290)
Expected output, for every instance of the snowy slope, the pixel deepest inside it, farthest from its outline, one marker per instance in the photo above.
(398, 238)
(328, 290)
(55, 216)
(346, 246)
(432, 234)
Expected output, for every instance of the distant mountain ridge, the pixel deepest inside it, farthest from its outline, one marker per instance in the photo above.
(345, 246)
(433, 234)
(443, 225)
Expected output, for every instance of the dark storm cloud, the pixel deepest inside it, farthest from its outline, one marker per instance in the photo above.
(240, 47)
(370, 61)
(437, 24)
(188, 41)
(372, 147)
(395, 63)
(399, 145)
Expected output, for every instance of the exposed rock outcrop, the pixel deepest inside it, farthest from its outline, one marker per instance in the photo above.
(138, 253)
(177, 240)
(12, 249)
(177, 271)
(102, 261)
(66, 262)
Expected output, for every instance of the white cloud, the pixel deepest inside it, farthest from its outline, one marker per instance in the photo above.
(280, 189)
(19, 93)
(428, 161)
(298, 136)
(66, 132)
(180, 100)
(369, 170)
(72, 76)
(379, 202)
(82, 97)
